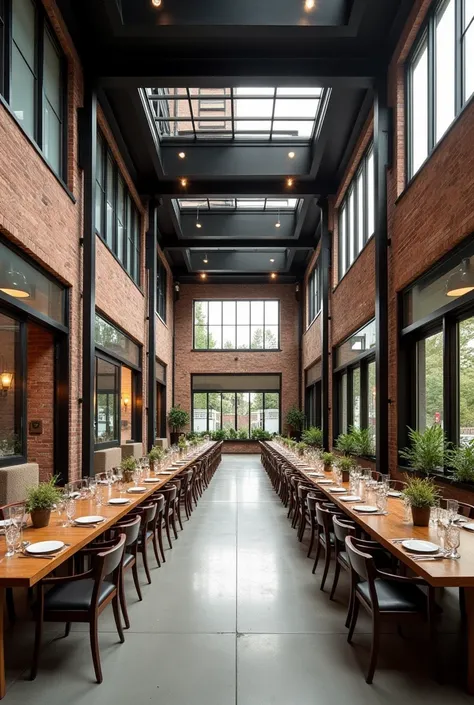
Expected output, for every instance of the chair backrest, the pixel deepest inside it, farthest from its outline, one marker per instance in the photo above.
(303, 490)
(361, 562)
(108, 561)
(159, 500)
(169, 492)
(342, 528)
(324, 517)
(6, 507)
(131, 529)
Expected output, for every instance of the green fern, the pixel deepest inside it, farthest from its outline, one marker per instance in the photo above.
(427, 450)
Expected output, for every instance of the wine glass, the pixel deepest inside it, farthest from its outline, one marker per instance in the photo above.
(12, 538)
(452, 541)
(70, 510)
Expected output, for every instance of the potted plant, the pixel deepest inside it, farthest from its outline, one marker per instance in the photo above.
(427, 450)
(345, 464)
(155, 456)
(363, 441)
(300, 448)
(461, 462)
(219, 435)
(178, 418)
(313, 436)
(40, 500)
(328, 459)
(346, 443)
(258, 434)
(243, 434)
(422, 494)
(295, 419)
(128, 466)
(182, 445)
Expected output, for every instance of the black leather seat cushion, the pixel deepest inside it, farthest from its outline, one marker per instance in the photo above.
(127, 559)
(344, 558)
(149, 534)
(76, 595)
(395, 597)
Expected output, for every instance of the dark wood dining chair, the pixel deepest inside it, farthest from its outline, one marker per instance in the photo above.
(185, 494)
(342, 527)
(177, 504)
(159, 498)
(82, 598)
(312, 498)
(130, 526)
(170, 493)
(385, 596)
(324, 515)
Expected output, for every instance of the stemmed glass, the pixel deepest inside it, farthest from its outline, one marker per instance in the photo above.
(452, 507)
(70, 510)
(452, 541)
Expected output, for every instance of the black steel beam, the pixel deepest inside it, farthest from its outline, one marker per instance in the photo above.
(151, 265)
(237, 224)
(325, 256)
(222, 243)
(244, 187)
(88, 153)
(381, 159)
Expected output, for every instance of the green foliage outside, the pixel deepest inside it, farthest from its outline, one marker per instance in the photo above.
(427, 449)
(312, 436)
(461, 462)
(201, 341)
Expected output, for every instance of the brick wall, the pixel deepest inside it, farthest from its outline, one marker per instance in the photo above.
(245, 448)
(164, 336)
(40, 396)
(238, 361)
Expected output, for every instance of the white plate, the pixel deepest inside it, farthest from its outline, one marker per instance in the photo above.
(337, 490)
(44, 547)
(469, 526)
(350, 498)
(151, 480)
(325, 482)
(89, 520)
(416, 546)
(166, 472)
(366, 509)
(7, 521)
(315, 474)
(136, 490)
(394, 493)
(119, 500)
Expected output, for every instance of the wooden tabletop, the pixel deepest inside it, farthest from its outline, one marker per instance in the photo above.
(17, 571)
(446, 573)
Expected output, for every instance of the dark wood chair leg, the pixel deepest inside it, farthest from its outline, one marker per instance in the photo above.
(173, 523)
(155, 549)
(178, 512)
(67, 630)
(316, 558)
(352, 598)
(354, 615)
(375, 648)
(144, 553)
(118, 621)
(38, 633)
(337, 572)
(136, 580)
(123, 603)
(159, 528)
(311, 541)
(327, 563)
(94, 638)
(167, 527)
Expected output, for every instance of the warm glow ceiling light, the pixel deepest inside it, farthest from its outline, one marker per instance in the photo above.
(278, 224)
(14, 284)
(205, 260)
(273, 275)
(289, 182)
(6, 379)
(156, 3)
(309, 5)
(271, 259)
(203, 275)
(182, 155)
(183, 182)
(462, 281)
(198, 224)
(291, 155)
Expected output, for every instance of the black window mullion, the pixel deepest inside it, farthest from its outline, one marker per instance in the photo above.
(431, 85)
(364, 394)
(39, 74)
(458, 57)
(365, 179)
(235, 410)
(348, 251)
(207, 329)
(451, 379)
(350, 395)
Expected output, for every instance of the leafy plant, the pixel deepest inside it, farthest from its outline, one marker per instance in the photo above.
(43, 496)
(178, 418)
(258, 434)
(232, 434)
(182, 445)
(295, 418)
(427, 450)
(243, 434)
(345, 463)
(421, 491)
(156, 454)
(219, 435)
(346, 443)
(461, 461)
(363, 440)
(312, 436)
(129, 464)
(327, 458)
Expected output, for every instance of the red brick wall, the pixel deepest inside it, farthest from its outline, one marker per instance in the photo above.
(285, 362)
(164, 336)
(40, 396)
(236, 447)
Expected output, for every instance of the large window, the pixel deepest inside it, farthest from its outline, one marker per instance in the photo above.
(117, 220)
(314, 293)
(437, 350)
(32, 77)
(357, 214)
(440, 76)
(107, 400)
(236, 325)
(12, 373)
(161, 284)
(355, 390)
(313, 399)
(240, 411)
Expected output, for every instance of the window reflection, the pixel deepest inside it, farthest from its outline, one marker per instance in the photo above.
(11, 443)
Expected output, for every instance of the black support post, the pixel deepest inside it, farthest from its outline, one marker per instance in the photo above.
(88, 149)
(151, 264)
(381, 160)
(325, 266)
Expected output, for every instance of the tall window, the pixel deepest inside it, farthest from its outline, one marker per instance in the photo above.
(107, 400)
(33, 78)
(440, 76)
(314, 293)
(161, 284)
(236, 325)
(437, 350)
(240, 411)
(357, 214)
(117, 220)
(355, 391)
(313, 401)
(12, 371)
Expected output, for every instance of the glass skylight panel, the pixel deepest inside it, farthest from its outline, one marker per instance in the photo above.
(235, 204)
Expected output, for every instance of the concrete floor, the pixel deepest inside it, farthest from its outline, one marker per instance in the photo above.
(235, 617)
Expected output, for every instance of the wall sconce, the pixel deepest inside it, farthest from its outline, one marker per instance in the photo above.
(125, 402)
(297, 292)
(176, 291)
(6, 379)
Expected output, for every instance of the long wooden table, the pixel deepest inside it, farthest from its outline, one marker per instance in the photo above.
(25, 572)
(385, 528)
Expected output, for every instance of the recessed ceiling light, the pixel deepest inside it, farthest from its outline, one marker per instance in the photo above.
(309, 5)
(156, 3)
(271, 259)
(183, 182)
(290, 182)
(205, 260)
(199, 226)
(182, 155)
(273, 275)
(203, 275)
(278, 225)
(291, 155)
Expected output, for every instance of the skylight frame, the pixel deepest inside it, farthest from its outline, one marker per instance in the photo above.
(204, 205)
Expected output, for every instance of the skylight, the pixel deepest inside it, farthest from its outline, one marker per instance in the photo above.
(235, 113)
(237, 204)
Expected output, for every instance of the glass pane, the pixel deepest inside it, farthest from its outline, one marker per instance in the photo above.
(351, 227)
(200, 313)
(228, 410)
(214, 411)
(228, 312)
(271, 337)
(360, 211)
(342, 242)
(272, 412)
(22, 99)
(115, 342)
(52, 74)
(200, 337)
(466, 381)
(271, 313)
(107, 399)
(256, 342)
(469, 62)
(356, 397)
(10, 384)
(243, 411)
(126, 405)
(21, 280)
(243, 341)
(215, 337)
(243, 312)
(358, 343)
(200, 412)
(370, 194)
(430, 381)
(444, 71)
(228, 337)
(215, 313)
(120, 219)
(343, 404)
(295, 129)
(419, 101)
(371, 401)
(257, 411)
(23, 29)
(52, 136)
(256, 312)
(109, 224)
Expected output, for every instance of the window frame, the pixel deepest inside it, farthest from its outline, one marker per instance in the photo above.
(42, 25)
(20, 372)
(314, 293)
(236, 325)
(235, 392)
(313, 403)
(162, 290)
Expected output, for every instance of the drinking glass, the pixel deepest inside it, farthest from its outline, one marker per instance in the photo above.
(12, 538)
(452, 541)
(407, 515)
(441, 530)
(452, 507)
(70, 510)
(136, 476)
(99, 495)
(381, 498)
(61, 510)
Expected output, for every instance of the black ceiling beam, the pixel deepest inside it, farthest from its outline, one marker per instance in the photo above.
(237, 224)
(184, 277)
(207, 245)
(241, 187)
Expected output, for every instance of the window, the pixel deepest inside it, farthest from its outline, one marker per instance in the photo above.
(12, 373)
(107, 395)
(161, 288)
(117, 220)
(357, 213)
(236, 325)
(32, 77)
(314, 293)
(313, 400)
(437, 350)
(112, 341)
(240, 411)
(355, 384)
(440, 76)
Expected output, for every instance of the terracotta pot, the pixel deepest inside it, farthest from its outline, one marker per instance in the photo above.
(327, 467)
(345, 475)
(127, 475)
(40, 518)
(174, 437)
(421, 516)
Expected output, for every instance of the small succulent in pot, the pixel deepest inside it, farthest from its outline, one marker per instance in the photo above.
(128, 466)
(328, 460)
(422, 494)
(345, 465)
(155, 456)
(40, 500)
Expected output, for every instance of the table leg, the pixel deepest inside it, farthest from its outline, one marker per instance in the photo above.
(469, 607)
(3, 686)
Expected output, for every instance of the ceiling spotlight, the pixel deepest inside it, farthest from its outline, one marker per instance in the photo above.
(182, 155)
(289, 182)
(183, 182)
(273, 275)
(205, 260)
(203, 275)
(309, 5)
(198, 224)
(271, 259)
(461, 281)
(156, 3)
(278, 224)
(291, 155)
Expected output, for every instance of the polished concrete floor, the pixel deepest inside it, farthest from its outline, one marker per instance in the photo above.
(235, 617)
